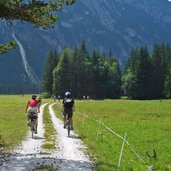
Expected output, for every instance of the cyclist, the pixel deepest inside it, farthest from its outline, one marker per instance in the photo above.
(68, 108)
(33, 107)
(40, 101)
(59, 97)
(54, 98)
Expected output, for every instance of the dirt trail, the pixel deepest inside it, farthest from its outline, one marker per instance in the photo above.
(68, 156)
(70, 149)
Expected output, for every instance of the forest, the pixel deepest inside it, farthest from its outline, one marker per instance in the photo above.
(147, 74)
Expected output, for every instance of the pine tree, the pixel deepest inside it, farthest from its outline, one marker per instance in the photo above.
(112, 79)
(142, 74)
(62, 73)
(157, 73)
(129, 77)
(167, 82)
(136, 77)
(51, 63)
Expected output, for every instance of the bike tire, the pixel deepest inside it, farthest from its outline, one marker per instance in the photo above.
(68, 129)
(32, 129)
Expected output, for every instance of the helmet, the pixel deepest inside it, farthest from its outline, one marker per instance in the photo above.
(34, 96)
(68, 94)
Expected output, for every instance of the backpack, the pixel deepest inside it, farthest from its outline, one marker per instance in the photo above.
(68, 103)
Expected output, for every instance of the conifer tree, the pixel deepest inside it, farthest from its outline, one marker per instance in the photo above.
(167, 82)
(129, 77)
(157, 73)
(136, 77)
(84, 70)
(142, 74)
(51, 63)
(62, 73)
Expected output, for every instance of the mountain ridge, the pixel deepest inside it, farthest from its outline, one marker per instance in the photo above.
(103, 24)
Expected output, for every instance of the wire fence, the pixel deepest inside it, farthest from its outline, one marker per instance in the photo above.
(100, 124)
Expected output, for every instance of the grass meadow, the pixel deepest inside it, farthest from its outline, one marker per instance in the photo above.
(13, 126)
(148, 127)
(147, 123)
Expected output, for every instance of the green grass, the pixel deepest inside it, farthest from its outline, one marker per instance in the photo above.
(147, 123)
(13, 120)
(50, 138)
(148, 127)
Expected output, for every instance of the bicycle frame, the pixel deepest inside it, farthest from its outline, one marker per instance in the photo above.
(32, 124)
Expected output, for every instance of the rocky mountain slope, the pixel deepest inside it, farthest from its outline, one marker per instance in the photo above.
(104, 24)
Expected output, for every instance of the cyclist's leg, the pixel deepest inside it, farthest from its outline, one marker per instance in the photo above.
(28, 117)
(70, 114)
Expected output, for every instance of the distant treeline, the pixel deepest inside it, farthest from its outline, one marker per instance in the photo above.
(147, 75)
(95, 75)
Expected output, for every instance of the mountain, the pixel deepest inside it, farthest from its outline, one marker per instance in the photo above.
(104, 24)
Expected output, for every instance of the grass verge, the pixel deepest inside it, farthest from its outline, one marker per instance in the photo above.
(50, 138)
(13, 122)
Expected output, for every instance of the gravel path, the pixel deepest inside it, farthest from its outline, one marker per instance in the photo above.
(70, 149)
(68, 156)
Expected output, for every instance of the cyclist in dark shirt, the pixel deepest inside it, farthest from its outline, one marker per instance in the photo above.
(68, 108)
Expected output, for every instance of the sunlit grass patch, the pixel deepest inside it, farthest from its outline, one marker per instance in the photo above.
(147, 124)
(13, 122)
(50, 133)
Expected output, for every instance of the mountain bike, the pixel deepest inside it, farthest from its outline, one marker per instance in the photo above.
(33, 118)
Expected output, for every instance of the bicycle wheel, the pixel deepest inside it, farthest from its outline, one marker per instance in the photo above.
(68, 128)
(32, 128)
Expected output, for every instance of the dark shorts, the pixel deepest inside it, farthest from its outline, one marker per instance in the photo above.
(68, 112)
(32, 116)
